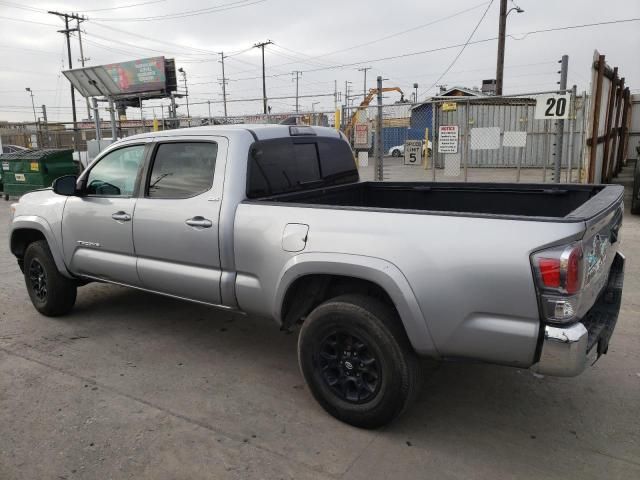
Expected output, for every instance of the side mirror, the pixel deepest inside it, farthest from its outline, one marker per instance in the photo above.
(65, 185)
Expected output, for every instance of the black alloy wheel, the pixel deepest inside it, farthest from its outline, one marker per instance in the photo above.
(349, 367)
(38, 279)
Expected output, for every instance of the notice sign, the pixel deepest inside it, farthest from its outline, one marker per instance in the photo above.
(413, 152)
(449, 107)
(553, 106)
(448, 139)
(361, 136)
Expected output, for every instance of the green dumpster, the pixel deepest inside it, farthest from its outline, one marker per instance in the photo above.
(30, 170)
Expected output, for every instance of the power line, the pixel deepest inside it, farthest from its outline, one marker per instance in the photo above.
(174, 45)
(396, 34)
(28, 21)
(189, 13)
(120, 7)
(484, 14)
(449, 47)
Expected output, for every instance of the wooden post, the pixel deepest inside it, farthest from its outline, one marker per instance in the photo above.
(608, 125)
(596, 119)
(612, 169)
(624, 125)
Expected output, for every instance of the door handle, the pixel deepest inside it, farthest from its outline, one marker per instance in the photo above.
(199, 222)
(121, 216)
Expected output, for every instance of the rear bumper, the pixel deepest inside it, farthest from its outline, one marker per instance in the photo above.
(566, 351)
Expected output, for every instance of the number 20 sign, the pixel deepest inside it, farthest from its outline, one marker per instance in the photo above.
(552, 106)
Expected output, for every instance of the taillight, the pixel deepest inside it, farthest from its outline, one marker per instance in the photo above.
(558, 274)
(550, 272)
(574, 270)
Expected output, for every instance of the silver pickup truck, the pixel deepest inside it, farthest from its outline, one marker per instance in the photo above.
(272, 220)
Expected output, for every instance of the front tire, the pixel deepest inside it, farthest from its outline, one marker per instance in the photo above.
(51, 293)
(357, 360)
(395, 153)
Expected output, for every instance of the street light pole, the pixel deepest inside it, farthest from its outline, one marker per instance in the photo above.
(33, 105)
(502, 30)
(35, 117)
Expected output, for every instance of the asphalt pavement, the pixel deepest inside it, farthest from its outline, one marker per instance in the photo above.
(132, 385)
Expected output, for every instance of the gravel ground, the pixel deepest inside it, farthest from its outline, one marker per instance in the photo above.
(132, 385)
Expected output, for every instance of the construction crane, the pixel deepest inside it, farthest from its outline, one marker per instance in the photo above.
(348, 129)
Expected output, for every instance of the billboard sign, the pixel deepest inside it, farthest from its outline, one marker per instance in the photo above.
(144, 78)
(144, 75)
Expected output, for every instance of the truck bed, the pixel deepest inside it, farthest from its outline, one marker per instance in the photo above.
(570, 202)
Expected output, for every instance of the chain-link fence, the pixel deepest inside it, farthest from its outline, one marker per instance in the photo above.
(460, 138)
(470, 139)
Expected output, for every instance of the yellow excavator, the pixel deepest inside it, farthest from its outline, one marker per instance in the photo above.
(348, 129)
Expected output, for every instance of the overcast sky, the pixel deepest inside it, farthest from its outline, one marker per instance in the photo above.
(327, 40)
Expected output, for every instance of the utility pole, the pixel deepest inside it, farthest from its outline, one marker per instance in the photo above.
(82, 60)
(224, 86)
(379, 144)
(298, 74)
(67, 32)
(502, 27)
(564, 70)
(172, 112)
(346, 93)
(335, 95)
(502, 31)
(186, 93)
(364, 90)
(261, 45)
(209, 105)
(45, 140)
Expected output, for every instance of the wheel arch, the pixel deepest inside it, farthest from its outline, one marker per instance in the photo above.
(26, 231)
(309, 279)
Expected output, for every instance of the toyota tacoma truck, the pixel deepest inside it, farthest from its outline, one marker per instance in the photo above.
(273, 221)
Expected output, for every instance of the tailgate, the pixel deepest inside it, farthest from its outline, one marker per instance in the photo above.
(600, 243)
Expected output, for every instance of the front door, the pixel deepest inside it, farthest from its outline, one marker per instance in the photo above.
(175, 226)
(97, 230)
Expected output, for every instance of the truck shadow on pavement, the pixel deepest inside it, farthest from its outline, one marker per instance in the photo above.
(241, 374)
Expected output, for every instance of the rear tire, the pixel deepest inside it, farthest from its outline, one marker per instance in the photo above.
(51, 293)
(357, 360)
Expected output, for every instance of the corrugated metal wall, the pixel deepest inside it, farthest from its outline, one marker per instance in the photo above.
(515, 116)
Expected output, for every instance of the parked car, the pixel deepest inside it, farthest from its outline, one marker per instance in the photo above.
(398, 150)
(13, 148)
(272, 220)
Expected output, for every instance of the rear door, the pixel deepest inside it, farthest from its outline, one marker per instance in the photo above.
(175, 226)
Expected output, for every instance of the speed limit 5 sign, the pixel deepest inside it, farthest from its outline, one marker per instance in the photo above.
(552, 106)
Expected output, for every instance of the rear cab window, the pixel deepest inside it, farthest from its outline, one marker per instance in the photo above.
(285, 165)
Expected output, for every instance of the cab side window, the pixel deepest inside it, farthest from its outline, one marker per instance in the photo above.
(115, 174)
